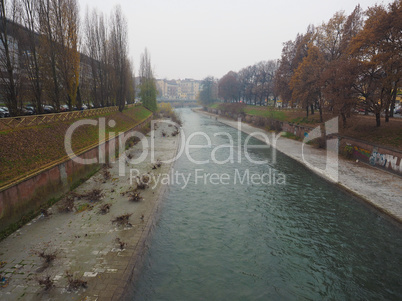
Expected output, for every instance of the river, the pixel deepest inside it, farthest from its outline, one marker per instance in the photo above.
(286, 235)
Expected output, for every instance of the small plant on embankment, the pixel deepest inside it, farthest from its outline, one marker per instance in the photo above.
(106, 175)
(74, 283)
(45, 211)
(157, 165)
(95, 195)
(67, 205)
(121, 243)
(176, 132)
(135, 197)
(105, 208)
(348, 151)
(143, 182)
(123, 220)
(46, 282)
(47, 258)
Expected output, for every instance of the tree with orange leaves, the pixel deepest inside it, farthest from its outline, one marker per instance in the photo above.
(377, 51)
(306, 82)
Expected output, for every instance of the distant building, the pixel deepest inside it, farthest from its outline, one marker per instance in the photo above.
(186, 89)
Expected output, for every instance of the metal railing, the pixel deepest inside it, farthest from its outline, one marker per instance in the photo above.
(34, 120)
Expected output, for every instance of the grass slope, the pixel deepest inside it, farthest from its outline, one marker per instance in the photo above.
(23, 151)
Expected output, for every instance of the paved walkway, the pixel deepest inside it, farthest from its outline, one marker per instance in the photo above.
(86, 242)
(379, 188)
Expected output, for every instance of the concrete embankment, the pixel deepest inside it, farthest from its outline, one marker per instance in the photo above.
(86, 243)
(381, 189)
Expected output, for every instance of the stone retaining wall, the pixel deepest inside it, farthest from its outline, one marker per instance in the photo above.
(28, 195)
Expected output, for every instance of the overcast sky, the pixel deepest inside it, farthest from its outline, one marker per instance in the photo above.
(195, 39)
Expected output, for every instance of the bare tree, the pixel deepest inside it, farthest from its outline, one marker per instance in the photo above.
(30, 39)
(119, 49)
(10, 71)
(147, 87)
(49, 50)
(67, 18)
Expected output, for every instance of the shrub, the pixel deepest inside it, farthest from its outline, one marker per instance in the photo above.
(235, 109)
(75, 283)
(166, 110)
(348, 151)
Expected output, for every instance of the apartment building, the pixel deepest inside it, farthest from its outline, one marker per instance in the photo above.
(186, 89)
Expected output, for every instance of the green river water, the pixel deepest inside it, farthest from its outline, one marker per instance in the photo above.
(296, 238)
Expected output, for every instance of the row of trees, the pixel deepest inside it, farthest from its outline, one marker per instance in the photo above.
(350, 62)
(39, 52)
(46, 57)
(110, 79)
(253, 84)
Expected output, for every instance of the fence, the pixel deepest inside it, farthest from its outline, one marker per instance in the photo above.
(34, 120)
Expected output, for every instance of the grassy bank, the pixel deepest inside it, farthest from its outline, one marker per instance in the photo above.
(358, 126)
(23, 151)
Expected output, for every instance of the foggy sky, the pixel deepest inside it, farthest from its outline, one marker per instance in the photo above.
(195, 39)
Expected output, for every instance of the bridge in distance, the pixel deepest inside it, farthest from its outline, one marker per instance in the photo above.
(180, 103)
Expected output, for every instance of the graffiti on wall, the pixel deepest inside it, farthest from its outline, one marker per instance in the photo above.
(386, 161)
(361, 153)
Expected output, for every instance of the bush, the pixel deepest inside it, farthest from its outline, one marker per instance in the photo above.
(348, 151)
(319, 142)
(166, 110)
(235, 109)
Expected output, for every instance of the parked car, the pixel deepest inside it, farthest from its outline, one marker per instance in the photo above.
(48, 109)
(398, 110)
(26, 111)
(31, 108)
(64, 108)
(3, 113)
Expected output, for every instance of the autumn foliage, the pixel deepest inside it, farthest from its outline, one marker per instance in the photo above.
(352, 62)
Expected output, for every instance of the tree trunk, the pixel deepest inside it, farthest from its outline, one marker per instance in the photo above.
(312, 109)
(393, 100)
(307, 111)
(378, 119)
(343, 120)
(386, 115)
(320, 110)
(8, 76)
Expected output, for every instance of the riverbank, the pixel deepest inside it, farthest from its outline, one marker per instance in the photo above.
(40, 146)
(380, 189)
(86, 243)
